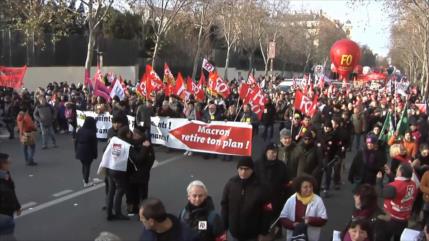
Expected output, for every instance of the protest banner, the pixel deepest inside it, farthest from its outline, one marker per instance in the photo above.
(219, 137)
(12, 76)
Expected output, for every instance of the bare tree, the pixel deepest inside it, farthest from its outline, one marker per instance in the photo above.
(203, 17)
(161, 15)
(95, 14)
(251, 15)
(229, 29)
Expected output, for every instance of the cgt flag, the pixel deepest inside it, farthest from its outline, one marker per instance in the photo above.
(12, 76)
(207, 66)
(305, 104)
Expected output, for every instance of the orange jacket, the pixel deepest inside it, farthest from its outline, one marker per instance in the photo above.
(410, 146)
(25, 123)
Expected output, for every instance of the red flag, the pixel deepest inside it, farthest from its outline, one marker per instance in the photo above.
(195, 89)
(243, 90)
(12, 76)
(251, 80)
(218, 86)
(202, 79)
(257, 100)
(180, 88)
(200, 96)
(168, 80)
(305, 104)
(156, 83)
(141, 87)
(100, 89)
(422, 108)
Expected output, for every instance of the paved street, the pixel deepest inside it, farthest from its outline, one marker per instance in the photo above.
(57, 207)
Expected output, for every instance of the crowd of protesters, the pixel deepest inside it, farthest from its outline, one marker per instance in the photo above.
(283, 189)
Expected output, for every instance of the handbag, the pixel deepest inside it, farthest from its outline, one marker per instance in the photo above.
(28, 138)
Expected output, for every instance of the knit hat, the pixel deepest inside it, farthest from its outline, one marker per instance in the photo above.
(245, 162)
(371, 139)
(285, 133)
(271, 146)
(139, 130)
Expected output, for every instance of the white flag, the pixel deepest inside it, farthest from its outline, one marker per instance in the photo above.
(117, 90)
(207, 66)
(115, 157)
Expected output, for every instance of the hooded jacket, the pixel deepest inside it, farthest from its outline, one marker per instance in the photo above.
(273, 176)
(86, 141)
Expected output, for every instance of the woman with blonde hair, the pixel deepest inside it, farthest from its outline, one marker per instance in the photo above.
(399, 155)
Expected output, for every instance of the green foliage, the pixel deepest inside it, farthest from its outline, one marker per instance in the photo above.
(122, 25)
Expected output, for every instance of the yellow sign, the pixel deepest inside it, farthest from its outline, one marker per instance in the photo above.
(347, 58)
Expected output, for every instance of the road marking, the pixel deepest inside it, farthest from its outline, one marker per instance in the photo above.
(79, 193)
(27, 205)
(62, 193)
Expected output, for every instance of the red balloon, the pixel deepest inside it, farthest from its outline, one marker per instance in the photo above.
(345, 54)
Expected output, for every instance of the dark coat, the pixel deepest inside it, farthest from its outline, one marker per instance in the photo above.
(243, 204)
(142, 159)
(192, 216)
(8, 201)
(290, 157)
(179, 232)
(364, 170)
(273, 176)
(309, 159)
(269, 114)
(86, 141)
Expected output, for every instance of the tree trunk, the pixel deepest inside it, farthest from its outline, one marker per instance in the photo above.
(228, 50)
(250, 61)
(197, 54)
(90, 51)
(155, 50)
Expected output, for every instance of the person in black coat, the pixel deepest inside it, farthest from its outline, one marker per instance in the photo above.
(9, 203)
(86, 147)
(367, 163)
(268, 120)
(243, 204)
(200, 215)
(141, 159)
(273, 175)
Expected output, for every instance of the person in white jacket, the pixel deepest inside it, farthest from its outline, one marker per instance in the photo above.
(304, 212)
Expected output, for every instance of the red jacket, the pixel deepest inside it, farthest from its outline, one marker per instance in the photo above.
(400, 206)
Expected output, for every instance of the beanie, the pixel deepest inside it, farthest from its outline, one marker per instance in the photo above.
(245, 162)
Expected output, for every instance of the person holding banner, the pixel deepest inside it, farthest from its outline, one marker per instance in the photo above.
(248, 116)
(115, 161)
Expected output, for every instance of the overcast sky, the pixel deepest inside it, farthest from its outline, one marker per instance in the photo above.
(370, 22)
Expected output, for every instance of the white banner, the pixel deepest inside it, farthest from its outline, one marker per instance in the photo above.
(221, 137)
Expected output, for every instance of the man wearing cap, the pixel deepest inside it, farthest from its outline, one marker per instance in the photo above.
(309, 157)
(287, 154)
(243, 203)
(367, 163)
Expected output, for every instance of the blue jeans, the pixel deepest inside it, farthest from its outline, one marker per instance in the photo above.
(357, 140)
(29, 152)
(7, 225)
(47, 131)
